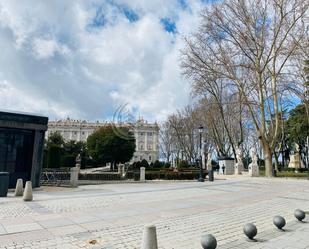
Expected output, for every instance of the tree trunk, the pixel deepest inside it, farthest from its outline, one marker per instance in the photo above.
(268, 160)
(276, 161)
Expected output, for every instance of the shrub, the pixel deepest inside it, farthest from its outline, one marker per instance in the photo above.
(144, 163)
(88, 163)
(183, 164)
(292, 174)
(68, 161)
(161, 175)
(167, 165)
(44, 159)
(293, 170)
(53, 156)
(136, 165)
(157, 164)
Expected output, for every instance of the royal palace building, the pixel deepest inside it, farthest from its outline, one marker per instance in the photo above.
(146, 135)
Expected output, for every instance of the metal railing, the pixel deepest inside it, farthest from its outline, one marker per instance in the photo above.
(55, 177)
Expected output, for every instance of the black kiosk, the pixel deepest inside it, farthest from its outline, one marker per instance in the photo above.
(21, 146)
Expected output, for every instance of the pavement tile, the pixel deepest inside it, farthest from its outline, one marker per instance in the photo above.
(114, 215)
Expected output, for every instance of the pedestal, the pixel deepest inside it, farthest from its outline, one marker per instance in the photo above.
(253, 170)
(74, 177)
(77, 166)
(121, 170)
(142, 174)
(295, 162)
(238, 168)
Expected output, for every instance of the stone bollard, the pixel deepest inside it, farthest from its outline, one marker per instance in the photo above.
(74, 177)
(208, 241)
(27, 196)
(250, 231)
(279, 222)
(142, 174)
(19, 188)
(149, 238)
(299, 214)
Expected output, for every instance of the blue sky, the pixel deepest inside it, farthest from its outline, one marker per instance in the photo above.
(83, 59)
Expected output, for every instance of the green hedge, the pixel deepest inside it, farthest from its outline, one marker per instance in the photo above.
(44, 159)
(165, 175)
(172, 175)
(293, 170)
(68, 161)
(99, 177)
(53, 156)
(292, 174)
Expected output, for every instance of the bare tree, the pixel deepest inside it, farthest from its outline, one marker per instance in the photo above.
(183, 127)
(166, 140)
(251, 47)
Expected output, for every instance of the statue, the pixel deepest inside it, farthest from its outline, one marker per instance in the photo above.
(238, 154)
(253, 156)
(253, 167)
(209, 156)
(78, 161)
(239, 166)
(295, 160)
(296, 148)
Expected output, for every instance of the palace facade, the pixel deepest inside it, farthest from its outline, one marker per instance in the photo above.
(146, 135)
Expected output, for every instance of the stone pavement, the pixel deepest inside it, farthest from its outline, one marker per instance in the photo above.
(112, 216)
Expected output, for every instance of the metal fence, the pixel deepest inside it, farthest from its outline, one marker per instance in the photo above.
(55, 177)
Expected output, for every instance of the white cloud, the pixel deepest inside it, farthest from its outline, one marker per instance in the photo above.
(46, 48)
(84, 58)
(14, 99)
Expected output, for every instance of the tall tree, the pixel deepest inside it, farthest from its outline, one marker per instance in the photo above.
(297, 127)
(106, 146)
(306, 86)
(166, 140)
(56, 139)
(251, 46)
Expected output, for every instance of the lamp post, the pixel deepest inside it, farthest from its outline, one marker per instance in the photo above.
(200, 130)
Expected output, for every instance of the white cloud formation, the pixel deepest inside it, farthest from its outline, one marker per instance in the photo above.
(46, 48)
(84, 58)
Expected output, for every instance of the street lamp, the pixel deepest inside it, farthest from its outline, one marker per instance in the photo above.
(200, 131)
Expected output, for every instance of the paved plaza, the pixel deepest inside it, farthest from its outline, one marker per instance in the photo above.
(112, 216)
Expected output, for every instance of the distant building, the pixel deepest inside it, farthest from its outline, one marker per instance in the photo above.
(21, 146)
(146, 135)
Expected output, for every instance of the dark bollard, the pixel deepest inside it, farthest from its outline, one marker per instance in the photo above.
(4, 183)
(279, 221)
(211, 175)
(299, 214)
(250, 230)
(208, 241)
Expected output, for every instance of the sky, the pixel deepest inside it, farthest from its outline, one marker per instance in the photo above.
(84, 59)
